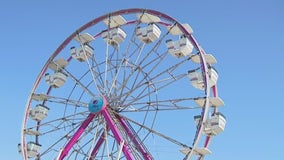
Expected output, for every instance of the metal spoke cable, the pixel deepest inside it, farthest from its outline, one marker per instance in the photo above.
(115, 78)
(140, 50)
(99, 74)
(79, 83)
(158, 89)
(96, 136)
(66, 101)
(58, 119)
(59, 140)
(156, 132)
(89, 66)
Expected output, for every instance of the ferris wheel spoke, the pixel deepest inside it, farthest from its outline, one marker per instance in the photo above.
(138, 47)
(106, 64)
(134, 66)
(98, 145)
(124, 84)
(154, 62)
(79, 83)
(76, 136)
(117, 69)
(86, 142)
(125, 60)
(58, 128)
(169, 70)
(116, 132)
(57, 142)
(152, 51)
(139, 54)
(154, 90)
(81, 41)
(81, 149)
(131, 55)
(96, 71)
(62, 125)
(168, 81)
(99, 132)
(116, 98)
(94, 77)
(111, 71)
(133, 42)
(59, 124)
(134, 138)
(160, 108)
(141, 83)
(169, 104)
(60, 119)
(125, 95)
(66, 101)
(77, 126)
(168, 138)
(86, 86)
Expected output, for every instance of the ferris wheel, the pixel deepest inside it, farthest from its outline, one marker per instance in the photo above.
(132, 84)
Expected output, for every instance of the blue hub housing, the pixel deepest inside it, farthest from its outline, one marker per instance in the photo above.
(96, 104)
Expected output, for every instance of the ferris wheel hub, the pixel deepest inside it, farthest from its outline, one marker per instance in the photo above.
(97, 104)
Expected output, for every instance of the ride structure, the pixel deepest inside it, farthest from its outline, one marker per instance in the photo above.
(132, 84)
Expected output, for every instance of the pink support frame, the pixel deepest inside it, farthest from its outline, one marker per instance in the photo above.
(132, 136)
(76, 136)
(110, 125)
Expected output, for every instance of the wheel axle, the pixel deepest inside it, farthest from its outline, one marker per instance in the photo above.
(97, 104)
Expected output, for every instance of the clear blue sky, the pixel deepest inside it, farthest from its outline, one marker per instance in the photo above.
(246, 37)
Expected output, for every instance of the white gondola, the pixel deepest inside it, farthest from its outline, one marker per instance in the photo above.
(213, 102)
(209, 58)
(175, 30)
(114, 36)
(180, 48)
(40, 97)
(215, 125)
(58, 64)
(33, 149)
(114, 21)
(148, 34)
(196, 78)
(39, 112)
(213, 76)
(32, 132)
(55, 80)
(82, 53)
(196, 151)
(148, 18)
(84, 38)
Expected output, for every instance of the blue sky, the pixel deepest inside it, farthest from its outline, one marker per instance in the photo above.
(246, 37)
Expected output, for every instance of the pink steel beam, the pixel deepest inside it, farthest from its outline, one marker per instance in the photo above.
(209, 138)
(139, 146)
(116, 134)
(76, 136)
(98, 145)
